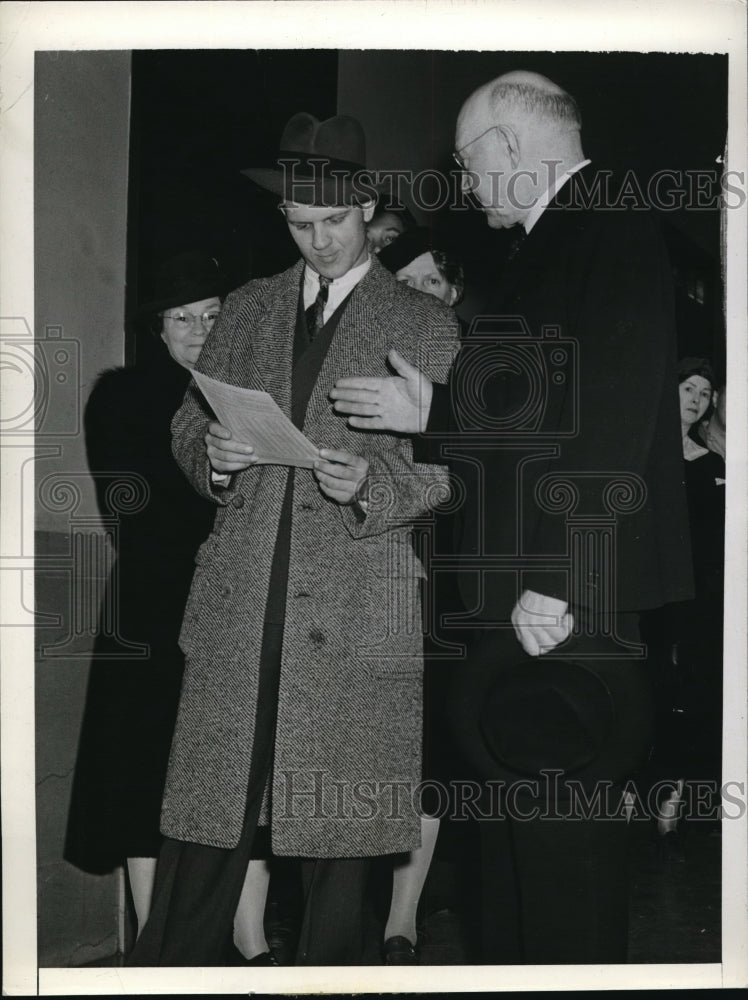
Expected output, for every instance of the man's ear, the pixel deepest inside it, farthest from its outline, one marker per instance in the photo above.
(453, 296)
(368, 209)
(510, 142)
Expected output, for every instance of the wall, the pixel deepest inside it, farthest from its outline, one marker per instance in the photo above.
(416, 131)
(82, 104)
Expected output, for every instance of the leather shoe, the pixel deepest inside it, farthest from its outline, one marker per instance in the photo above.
(398, 950)
(282, 934)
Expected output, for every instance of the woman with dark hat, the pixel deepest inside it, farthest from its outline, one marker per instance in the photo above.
(135, 680)
(425, 260)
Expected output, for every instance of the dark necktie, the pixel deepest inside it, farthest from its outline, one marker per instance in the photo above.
(519, 235)
(314, 314)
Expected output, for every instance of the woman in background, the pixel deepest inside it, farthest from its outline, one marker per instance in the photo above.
(131, 703)
(700, 625)
(421, 259)
(389, 220)
(688, 635)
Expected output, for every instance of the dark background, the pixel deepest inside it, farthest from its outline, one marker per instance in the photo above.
(199, 117)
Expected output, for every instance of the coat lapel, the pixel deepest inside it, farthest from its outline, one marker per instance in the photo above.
(547, 240)
(272, 346)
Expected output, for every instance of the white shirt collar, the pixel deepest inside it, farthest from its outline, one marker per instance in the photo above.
(339, 287)
(545, 199)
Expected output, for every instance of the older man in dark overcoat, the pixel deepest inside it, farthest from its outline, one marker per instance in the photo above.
(301, 703)
(560, 420)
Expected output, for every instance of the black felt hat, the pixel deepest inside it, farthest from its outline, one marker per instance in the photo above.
(319, 162)
(584, 710)
(411, 244)
(190, 276)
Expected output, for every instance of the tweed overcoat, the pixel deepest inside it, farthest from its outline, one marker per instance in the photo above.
(348, 735)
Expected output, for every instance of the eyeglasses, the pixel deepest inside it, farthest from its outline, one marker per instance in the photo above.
(457, 154)
(184, 319)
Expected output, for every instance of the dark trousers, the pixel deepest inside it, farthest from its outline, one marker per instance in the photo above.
(555, 886)
(555, 892)
(198, 888)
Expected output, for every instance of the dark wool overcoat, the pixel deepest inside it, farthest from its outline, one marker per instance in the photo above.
(131, 704)
(348, 736)
(563, 406)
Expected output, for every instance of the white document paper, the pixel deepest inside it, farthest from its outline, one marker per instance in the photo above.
(254, 418)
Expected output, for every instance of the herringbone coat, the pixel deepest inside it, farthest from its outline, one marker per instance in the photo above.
(349, 712)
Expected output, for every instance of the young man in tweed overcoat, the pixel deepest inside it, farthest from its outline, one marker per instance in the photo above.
(301, 705)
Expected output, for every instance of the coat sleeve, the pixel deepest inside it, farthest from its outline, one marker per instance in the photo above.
(427, 447)
(111, 444)
(403, 486)
(124, 439)
(400, 490)
(191, 420)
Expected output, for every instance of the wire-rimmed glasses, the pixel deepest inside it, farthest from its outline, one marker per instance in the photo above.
(457, 153)
(184, 320)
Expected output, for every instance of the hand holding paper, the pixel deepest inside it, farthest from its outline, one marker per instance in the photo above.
(340, 474)
(225, 453)
(257, 424)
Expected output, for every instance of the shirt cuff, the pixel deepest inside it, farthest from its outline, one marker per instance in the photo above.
(427, 446)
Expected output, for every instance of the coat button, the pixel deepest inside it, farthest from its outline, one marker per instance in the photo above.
(317, 637)
(226, 591)
(238, 501)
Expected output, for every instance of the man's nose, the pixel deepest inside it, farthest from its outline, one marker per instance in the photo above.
(320, 237)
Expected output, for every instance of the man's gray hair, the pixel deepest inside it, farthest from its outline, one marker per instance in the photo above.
(552, 105)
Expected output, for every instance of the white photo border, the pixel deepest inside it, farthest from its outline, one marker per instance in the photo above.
(716, 26)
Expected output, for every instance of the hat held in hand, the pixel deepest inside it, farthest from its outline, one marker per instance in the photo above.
(583, 710)
(319, 163)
